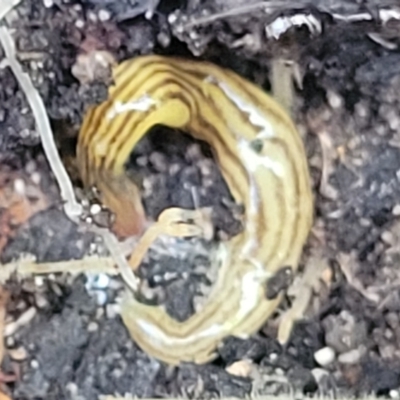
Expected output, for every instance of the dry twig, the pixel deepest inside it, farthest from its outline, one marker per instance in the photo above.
(347, 263)
(27, 266)
(266, 6)
(303, 293)
(328, 159)
(72, 208)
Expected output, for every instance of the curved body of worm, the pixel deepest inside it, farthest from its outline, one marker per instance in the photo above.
(263, 161)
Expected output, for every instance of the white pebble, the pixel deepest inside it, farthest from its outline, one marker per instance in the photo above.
(112, 310)
(95, 209)
(324, 356)
(104, 15)
(39, 280)
(351, 357)
(396, 210)
(394, 394)
(334, 100)
(98, 281)
(102, 281)
(36, 178)
(19, 187)
(273, 357)
(92, 16)
(93, 326)
(101, 297)
(172, 18)
(72, 389)
(79, 23)
(319, 374)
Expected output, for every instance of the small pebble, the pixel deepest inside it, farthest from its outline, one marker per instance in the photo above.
(104, 15)
(394, 394)
(72, 389)
(102, 281)
(240, 368)
(387, 237)
(334, 100)
(79, 23)
(10, 341)
(324, 356)
(174, 169)
(396, 210)
(91, 16)
(351, 357)
(112, 310)
(361, 110)
(95, 209)
(159, 161)
(142, 161)
(273, 357)
(18, 354)
(99, 313)
(23, 320)
(172, 18)
(34, 364)
(20, 187)
(93, 326)
(39, 280)
(319, 374)
(41, 301)
(101, 297)
(193, 152)
(98, 281)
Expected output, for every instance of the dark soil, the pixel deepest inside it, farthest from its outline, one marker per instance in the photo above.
(76, 345)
